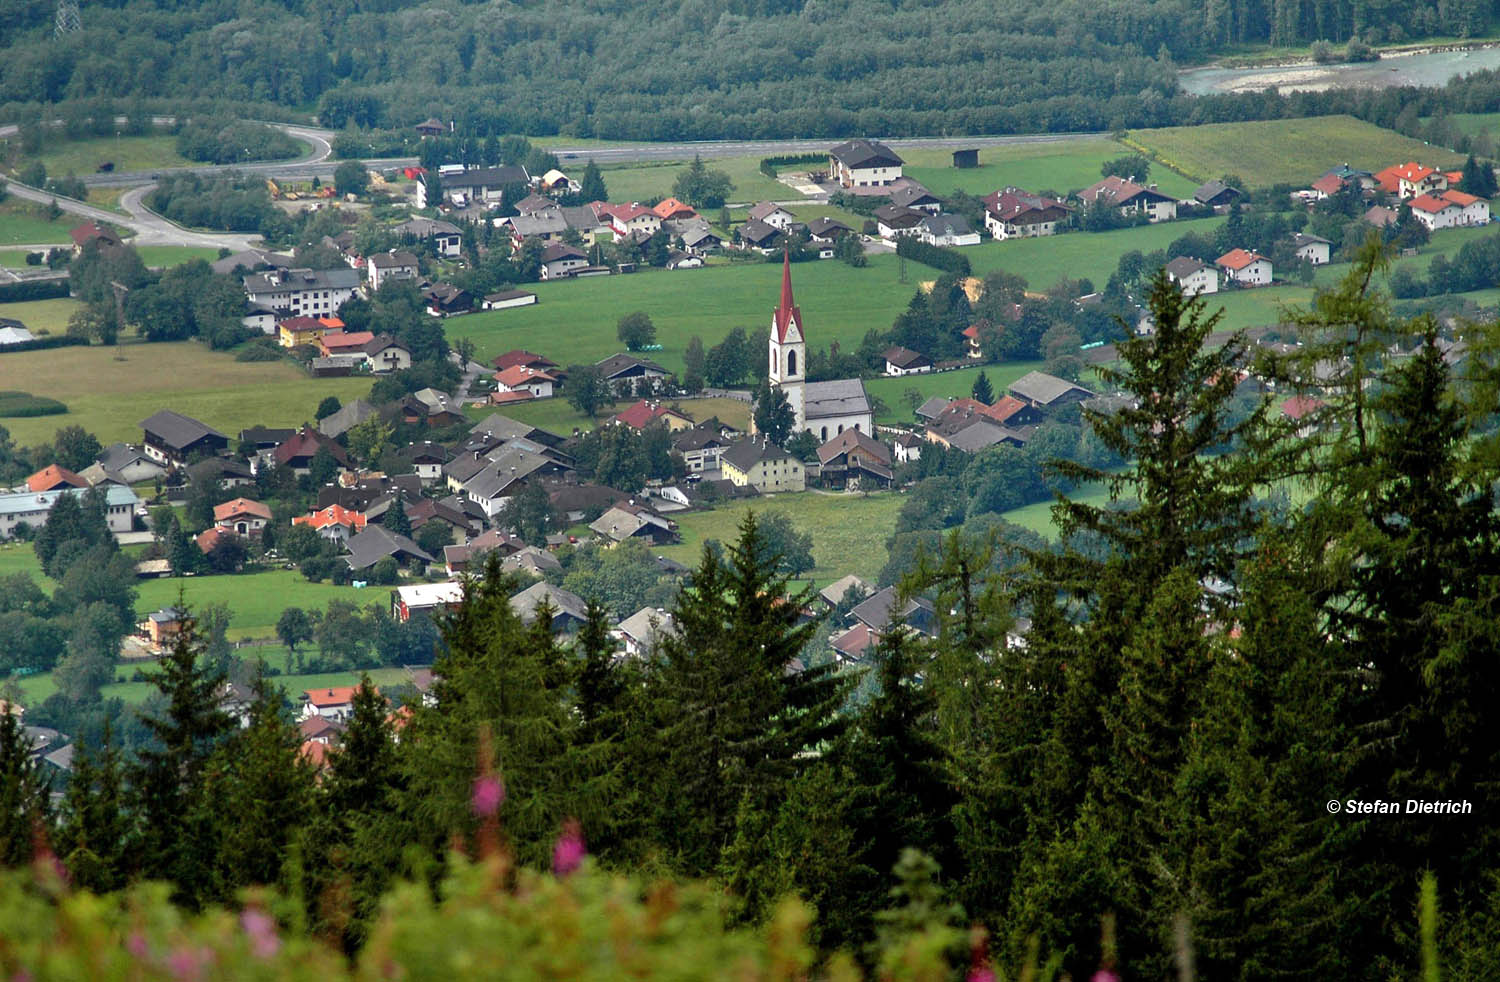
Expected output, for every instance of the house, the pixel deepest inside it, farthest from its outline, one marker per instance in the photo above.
(1193, 276)
(628, 374)
(854, 460)
(1348, 177)
(625, 220)
(484, 186)
(1411, 180)
(914, 195)
(586, 221)
(827, 230)
(227, 472)
(1449, 209)
(126, 464)
(536, 204)
(842, 589)
(242, 517)
(643, 630)
(851, 646)
(319, 729)
(1216, 195)
(210, 539)
(425, 598)
(250, 260)
(883, 608)
(756, 234)
(294, 331)
(544, 226)
(701, 446)
(973, 346)
(96, 233)
(335, 523)
(430, 127)
(1245, 268)
(697, 236)
(32, 507)
(334, 704)
(499, 480)
(171, 438)
(772, 214)
(569, 612)
(385, 354)
(506, 299)
(309, 292)
(1476, 211)
(1327, 186)
(947, 230)
(677, 259)
(763, 466)
(348, 417)
(1012, 213)
(165, 624)
(533, 381)
(863, 164)
(387, 267)
(901, 361)
(966, 424)
(631, 521)
(339, 367)
(892, 221)
(1311, 248)
(1381, 217)
(672, 210)
(445, 238)
(345, 344)
(431, 407)
(54, 478)
(1013, 412)
(559, 260)
(1131, 198)
(643, 413)
(1047, 391)
(907, 448)
(298, 452)
(446, 300)
(377, 542)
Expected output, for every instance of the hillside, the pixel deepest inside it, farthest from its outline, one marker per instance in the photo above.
(705, 69)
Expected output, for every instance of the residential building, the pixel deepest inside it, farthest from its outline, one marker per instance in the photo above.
(377, 542)
(1013, 412)
(445, 238)
(163, 625)
(425, 599)
(170, 438)
(1476, 211)
(559, 260)
(310, 292)
(701, 446)
(1411, 180)
(624, 220)
(426, 459)
(762, 465)
(1193, 276)
(1047, 391)
(631, 521)
(756, 234)
(1131, 198)
(629, 374)
(334, 704)
(947, 230)
(672, 210)
(544, 226)
(518, 378)
(385, 354)
(771, 214)
(907, 448)
(484, 186)
(973, 347)
(1216, 195)
(298, 452)
(387, 267)
(250, 260)
(864, 163)
(854, 460)
(644, 412)
(242, 517)
(31, 508)
(346, 344)
(335, 523)
(126, 464)
(1014, 214)
(643, 630)
(93, 232)
(446, 300)
(348, 417)
(1245, 268)
(294, 331)
(568, 610)
(914, 195)
(1449, 209)
(54, 478)
(893, 221)
(1311, 248)
(901, 361)
(827, 230)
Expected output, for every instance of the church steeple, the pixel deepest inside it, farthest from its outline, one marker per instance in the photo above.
(788, 354)
(788, 314)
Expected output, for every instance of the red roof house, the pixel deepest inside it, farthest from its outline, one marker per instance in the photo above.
(52, 477)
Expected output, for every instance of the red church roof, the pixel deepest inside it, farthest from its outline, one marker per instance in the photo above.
(788, 311)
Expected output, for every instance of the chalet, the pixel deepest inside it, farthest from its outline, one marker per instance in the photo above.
(863, 163)
(376, 543)
(431, 407)
(763, 466)
(696, 237)
(827, 229)
(1411, 180)
(670, 210)
(447, 300)
(1193, 276)
(893, 221)
(386, 267)
(482, 186)
(1216, 195)
(628, 374)
(643, 630)
(1047, 391)
(1245, 268)
(854, 460)
(756, 234)
(644, 413)
(426, 459)
(242, 517)
(519, 378)
(771, 214)
(901, 361)
(227, 472)
(126, 464)
(445, 238)
(1013, 214)
(537, 204)
(1013, 412)
(1131, 198)
(298, 452)
(701, 446)
(506, 299)
(533, 561)
(915, 196)
(882, 610)
(425, 599)
(568, 610)
(1311, 248)
(947, 230)
(335, 704)
(31, 508)
(631, 521)
(345, 344)
(623, 220)
(385, 354)
(309, 292)
(171, 438)
(559, 261)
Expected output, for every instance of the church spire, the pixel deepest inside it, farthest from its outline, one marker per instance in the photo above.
(787, 311)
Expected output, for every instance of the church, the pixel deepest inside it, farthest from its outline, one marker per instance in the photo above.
(824, 409)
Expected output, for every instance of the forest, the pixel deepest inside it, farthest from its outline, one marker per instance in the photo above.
(748, 68)
(1127, 751)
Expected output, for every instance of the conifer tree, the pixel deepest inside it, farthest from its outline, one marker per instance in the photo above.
(396, 519)
(24, 791)
(982, 390)
(97, 837)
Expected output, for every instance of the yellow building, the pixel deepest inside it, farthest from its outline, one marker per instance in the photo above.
(306, 330)
(763, 466)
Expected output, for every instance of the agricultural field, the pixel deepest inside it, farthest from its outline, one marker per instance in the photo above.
(108, 391)
(1045, 260)
(24, 223)
(848, 530)
(643, 182)
(128, 153)
(41, 316)
(1063, 166)
(574, 321)
(956, 384)
(1473, 124)
(1285, 151)
(557, 415)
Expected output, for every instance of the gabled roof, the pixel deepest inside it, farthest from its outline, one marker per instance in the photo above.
(241, 506)
(393, 260)
(1300, 239)
(1013, 204)
(878, 610)
(1239, 259)
(839, 397)
(1184, 266)
(535, 203)
(1431, 204)
(905, 357)
(641, 414)
(341, 695)
(423, 227)
(349, 416)
(835, 592)
(672, 208)
(177, 430)
(1043, 388)
(756, 231)
(762, 210)
(306, 444)
(52, 477)
(376, 542)
(618, 364)
(912, 195)
(1299, 406)
(824, 226)
(562, 601)
(332, 515)
(624, 520)
(1118, 191)
(1005, 408)
(933, 407)
(520, 375)
(849, 440)
(946, 225)
(1210, 190)
(747, 453)
(522, 357)
(561, 250)
(1458, 198)
(864, 154)
(647, 626)
(1328, 184)
(346, 340)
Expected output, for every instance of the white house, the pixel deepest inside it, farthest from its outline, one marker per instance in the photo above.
(1312, 248)
(519, 378)
(385, 354)
(1245, 268)
(336, 704)
(302, 292)
(558, 260)
(1449, 209)
(484, 186)
(772, 214)
(863, 164)
(387, 266)
(947, 230)
(445, 237)
(1476, 210)
(1013, 213)
(1194, 277)
(32, 508)
(901, 361)
(1130, 197)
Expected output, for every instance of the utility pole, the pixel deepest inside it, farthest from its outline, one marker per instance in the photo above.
(68, 20)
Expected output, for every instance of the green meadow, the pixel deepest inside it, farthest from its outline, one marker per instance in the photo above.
(1063, 166)
(1045, 260)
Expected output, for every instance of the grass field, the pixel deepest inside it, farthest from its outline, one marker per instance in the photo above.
(575, 320)
(558, 415)
(1285, 151)
(956, 384)
(24, 223)
(1043, 261)
(641, 182)
(1065, 166)
(154, 256)
(848, 530)
(110, 390)
(128, 153)
(39, 315)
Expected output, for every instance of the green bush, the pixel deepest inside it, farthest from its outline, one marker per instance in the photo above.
(15, 404)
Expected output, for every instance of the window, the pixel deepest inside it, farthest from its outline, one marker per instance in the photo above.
(791, 363)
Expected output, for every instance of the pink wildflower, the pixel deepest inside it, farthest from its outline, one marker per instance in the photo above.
(981, 975)
(187, 964)
(138, 947)
(489, 793)
(262, 931)
(568, 854)
(1105, 975)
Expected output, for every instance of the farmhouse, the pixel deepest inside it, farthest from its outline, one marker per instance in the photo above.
(1448, 209)
(1216, 195)
(310, 292)
(1193, 276)
(901, 361)
(1131, 198)
(701, 446)
(170, 438)
(559, 260)
(854, 460)
(1245, 268)
(762, 465)
(1012, 214)
(1047, 391)
(627, 373)
(1411, 180)
(863, 164)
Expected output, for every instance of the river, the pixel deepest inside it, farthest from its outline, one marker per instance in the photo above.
(1424, 68)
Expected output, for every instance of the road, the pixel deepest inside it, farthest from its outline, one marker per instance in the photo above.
(149, 227)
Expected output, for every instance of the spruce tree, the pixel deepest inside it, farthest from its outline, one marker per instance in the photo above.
(982, 390)
(396, 520)
(24, 793)
(97, 836)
